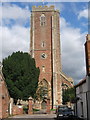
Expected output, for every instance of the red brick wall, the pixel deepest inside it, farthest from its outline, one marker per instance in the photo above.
(0, 99)
(17, 110)
(87, 50)
(43, 33)
(4, 99)
(50, 35)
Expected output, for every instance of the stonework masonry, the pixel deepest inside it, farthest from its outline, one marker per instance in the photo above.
(67, 82)
(45, 48)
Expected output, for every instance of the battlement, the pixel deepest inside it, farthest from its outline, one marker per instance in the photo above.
(43, 8)
(88, 37)
(0, 68)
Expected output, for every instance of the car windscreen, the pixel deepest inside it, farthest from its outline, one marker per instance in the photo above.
(64, 111)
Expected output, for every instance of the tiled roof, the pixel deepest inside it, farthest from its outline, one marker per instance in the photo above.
(81, 82)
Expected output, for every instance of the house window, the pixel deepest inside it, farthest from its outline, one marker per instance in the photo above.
(42, 20)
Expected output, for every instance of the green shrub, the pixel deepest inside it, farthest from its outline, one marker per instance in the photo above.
(25, 109)
(53, 109)
(35, 109)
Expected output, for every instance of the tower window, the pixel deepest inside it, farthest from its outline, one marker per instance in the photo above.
(43, 44)
(42, 20)
(43, 68)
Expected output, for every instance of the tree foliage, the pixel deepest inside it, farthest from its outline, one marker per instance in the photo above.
(68, 95)
(21, 75)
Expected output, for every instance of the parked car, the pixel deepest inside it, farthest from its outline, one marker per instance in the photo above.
(64, 112)
(61, 107)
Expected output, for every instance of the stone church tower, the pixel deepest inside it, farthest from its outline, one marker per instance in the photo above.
(45, 48)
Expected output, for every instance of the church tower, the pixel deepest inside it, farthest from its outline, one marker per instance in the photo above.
(45, 48)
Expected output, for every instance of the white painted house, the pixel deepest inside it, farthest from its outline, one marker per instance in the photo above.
(83, 88)
(81, 99)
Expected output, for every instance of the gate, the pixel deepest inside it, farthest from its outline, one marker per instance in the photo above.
(44, 105)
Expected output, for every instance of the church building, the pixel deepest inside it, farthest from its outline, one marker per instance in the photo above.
(45, 48)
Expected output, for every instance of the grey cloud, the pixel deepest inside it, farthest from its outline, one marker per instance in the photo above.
(15, 39)
(73, 56)
(12, 12)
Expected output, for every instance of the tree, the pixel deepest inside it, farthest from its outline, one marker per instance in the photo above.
(68, 95)
(21, 75)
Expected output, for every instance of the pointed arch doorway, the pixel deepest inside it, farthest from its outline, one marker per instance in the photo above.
(44, 89)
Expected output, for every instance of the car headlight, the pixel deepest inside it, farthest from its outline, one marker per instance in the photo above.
(60, 115)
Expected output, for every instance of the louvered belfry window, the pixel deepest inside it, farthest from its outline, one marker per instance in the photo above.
(42, 20)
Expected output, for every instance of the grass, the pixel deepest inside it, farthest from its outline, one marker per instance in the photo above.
(53, 109)
(35, 109)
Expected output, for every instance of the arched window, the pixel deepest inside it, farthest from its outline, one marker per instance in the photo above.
(42, 20)
(44, 83)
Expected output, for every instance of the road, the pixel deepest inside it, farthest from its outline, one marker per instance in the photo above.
(35, 117)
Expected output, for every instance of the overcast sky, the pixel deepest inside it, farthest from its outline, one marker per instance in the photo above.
(15, 31)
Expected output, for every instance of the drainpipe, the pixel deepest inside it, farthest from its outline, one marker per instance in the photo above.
(87, 106)
(75, 103)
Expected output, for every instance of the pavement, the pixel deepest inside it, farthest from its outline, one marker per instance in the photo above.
(35, 116)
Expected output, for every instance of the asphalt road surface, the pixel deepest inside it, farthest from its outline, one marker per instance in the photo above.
(37, 117)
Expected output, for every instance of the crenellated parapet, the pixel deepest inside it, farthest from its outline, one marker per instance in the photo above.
(0, 68)
(44, 8)
(88, 37)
